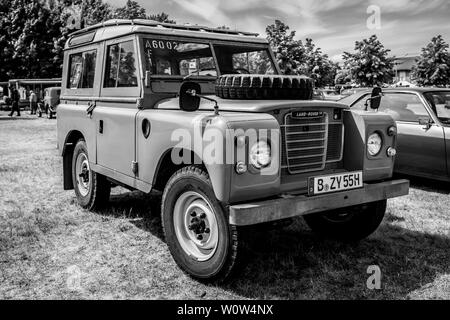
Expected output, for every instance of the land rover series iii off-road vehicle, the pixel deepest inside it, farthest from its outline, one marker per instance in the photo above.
(205, 116)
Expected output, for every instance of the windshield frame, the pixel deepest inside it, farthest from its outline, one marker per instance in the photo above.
(211, 42)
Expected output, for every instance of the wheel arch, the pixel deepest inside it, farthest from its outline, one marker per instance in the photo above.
(217, 174)
(67, 154)
(166, 168)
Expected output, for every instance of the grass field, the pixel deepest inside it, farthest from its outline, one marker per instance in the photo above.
(52, 249)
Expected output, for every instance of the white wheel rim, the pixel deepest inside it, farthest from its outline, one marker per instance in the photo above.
(83, 174)
(196, 226)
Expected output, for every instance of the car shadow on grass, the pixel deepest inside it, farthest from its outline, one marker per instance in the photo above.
(293, 263)
(426, 184)
(141, 209)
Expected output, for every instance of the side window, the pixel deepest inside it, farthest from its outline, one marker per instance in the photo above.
(82, 70)
(403, 106)
(121, 66)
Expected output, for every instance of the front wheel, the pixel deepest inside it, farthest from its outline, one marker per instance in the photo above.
(348, 224)
(92, 189)
(196, 228)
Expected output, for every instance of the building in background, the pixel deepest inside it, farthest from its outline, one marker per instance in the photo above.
(403, 66)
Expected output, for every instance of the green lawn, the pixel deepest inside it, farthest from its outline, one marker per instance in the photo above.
(52, 249)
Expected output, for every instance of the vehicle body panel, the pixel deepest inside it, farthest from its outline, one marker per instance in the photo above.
(422, 150)
(113, 122)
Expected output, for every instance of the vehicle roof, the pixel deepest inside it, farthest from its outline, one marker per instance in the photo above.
(120, 27)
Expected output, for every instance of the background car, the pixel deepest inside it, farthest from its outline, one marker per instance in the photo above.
(5, 103)
(51, 100)
(352, 91)
(423, 123)
(318, 95)
(330, 94)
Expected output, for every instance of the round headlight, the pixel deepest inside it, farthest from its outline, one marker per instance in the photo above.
(260, 154)
(374, 144)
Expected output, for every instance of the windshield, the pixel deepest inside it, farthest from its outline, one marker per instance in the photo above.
(440, 102)
(234, 59)
(191, 58)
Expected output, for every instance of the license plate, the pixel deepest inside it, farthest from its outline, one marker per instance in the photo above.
(335, 183)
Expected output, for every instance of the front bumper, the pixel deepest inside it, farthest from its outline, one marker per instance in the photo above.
(294, 206)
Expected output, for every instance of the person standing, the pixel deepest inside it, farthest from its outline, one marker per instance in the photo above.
(14, 100)
(33, 102)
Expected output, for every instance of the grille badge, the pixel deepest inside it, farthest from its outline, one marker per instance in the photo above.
(307, 114)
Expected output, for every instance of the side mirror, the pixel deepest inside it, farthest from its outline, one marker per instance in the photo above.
(189, 99)
(426, 122)
(375, 99)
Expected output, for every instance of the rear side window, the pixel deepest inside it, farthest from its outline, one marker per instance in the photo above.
(82, 70)
(121, 66)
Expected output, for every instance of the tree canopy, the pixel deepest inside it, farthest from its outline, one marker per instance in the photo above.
(369, 64)
(433, 65)
(295, 57)
(33, 32)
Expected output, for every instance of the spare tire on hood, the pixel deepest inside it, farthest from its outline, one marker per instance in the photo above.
(264, 87)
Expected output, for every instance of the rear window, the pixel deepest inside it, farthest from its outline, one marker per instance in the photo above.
(82, 70)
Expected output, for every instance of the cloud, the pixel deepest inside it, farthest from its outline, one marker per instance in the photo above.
(335, 25)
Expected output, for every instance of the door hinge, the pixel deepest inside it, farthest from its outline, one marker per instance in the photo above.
(134, 167)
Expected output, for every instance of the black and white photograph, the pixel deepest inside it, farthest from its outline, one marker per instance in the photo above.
(223, 156)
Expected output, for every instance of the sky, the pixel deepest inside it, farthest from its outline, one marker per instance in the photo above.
(404, 26)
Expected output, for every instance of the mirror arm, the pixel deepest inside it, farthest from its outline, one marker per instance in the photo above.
(370, 99)
(216, 105)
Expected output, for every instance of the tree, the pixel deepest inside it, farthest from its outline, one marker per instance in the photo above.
(289, 52)
(131, 10)
(161, 17)
(28, 35)
(343, 76)
(317, 65)
(86, 12)
(433, 65)
(370, 64)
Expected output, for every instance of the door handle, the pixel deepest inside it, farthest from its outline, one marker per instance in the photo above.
(90, 109)
(100, 127)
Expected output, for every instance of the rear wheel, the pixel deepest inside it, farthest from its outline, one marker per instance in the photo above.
(196, 227)
(348, 224)
(92, 189)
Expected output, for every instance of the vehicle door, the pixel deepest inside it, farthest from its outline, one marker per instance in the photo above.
(420, 148)
(117, 106)
(439, 102)
(81, 87)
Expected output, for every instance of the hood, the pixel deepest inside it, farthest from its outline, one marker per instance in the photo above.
(256, 106)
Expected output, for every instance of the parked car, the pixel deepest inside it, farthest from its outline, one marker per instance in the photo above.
(423, 122)
(318, 95)
(330, 95)
(5, 103)
(244, 147)
(51, 100)
(348, 92)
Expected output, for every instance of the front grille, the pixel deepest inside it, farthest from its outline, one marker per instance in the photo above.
(310, 143)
